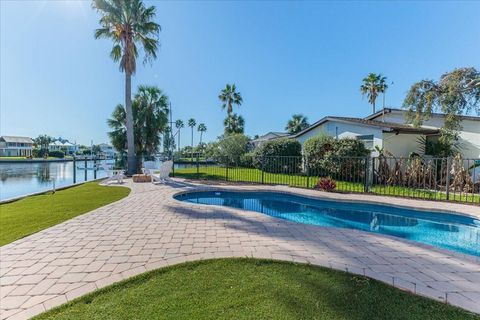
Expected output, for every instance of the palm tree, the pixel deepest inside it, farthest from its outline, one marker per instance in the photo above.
(192, 123)
(229, 96)
(128, 24)
(179, 125)
(152, 117)
(373, 85)
(234, 123)
(201, 128)
(297, 123)
(149, 110)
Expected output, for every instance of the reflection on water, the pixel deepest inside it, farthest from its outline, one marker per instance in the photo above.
(17, 179)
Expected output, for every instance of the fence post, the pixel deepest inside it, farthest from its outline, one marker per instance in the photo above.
(74, 170)
(307, 169)
(173, 166)
(226, 170)
(366, 187)
(86, 171)
(263, 171)
(198, 167)
(447, 179)
(95, 168)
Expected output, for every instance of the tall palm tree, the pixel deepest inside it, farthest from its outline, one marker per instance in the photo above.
(229, 96)
(128, 24)
(297, 123)
(179, 125)
(192, 123)
(234, 123)
(372, 86)
(201, 128)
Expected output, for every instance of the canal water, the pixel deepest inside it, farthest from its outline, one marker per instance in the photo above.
(18, 179)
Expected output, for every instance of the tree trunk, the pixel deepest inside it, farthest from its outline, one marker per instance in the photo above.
(373, 107)
(132, 159)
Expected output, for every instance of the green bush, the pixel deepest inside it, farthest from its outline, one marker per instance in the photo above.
(328, 156)
(231, 148)
(56, 154)
(279, 156)
(247, 160)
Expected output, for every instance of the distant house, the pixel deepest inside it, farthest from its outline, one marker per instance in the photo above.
(267, 137)
(107, 150)
(65, 146)
(387, 129)
(11, 146)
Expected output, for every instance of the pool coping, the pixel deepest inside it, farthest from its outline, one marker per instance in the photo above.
(462, 209)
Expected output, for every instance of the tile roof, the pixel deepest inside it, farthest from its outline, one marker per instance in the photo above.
(386, 126)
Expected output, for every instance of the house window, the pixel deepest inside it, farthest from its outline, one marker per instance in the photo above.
(367, 140)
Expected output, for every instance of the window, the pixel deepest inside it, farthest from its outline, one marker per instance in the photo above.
(367, 140)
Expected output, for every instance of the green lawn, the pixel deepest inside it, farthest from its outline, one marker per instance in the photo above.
(32, 214)
(255, 175)
(253, 289)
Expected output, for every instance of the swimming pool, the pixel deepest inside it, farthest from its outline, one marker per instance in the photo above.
(449, 231)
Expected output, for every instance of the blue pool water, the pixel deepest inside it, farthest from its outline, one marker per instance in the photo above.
(449, 231)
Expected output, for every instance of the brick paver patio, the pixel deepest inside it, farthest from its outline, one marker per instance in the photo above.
(149, 230)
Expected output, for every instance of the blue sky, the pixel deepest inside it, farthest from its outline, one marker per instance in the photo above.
(285, 57)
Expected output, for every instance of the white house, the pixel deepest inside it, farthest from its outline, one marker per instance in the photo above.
(267, 137)
(387, 129)
(65, 146)
(469, 134)
(11, 146)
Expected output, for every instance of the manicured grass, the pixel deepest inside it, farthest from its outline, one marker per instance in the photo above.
(32, 214)
(255, 176)
(253, 289)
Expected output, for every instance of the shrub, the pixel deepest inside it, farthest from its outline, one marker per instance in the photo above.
(326, 184)
(279, 156)
(330, 156)
(319, 152)
(232, 147)
(247, 160)
(56, 154)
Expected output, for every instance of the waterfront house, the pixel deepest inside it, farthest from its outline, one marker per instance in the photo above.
(12, 146)
(64, 146)
(387, 130)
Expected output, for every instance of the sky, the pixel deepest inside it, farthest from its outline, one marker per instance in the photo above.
(285, 58)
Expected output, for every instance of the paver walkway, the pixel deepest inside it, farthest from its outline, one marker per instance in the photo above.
(149, 229)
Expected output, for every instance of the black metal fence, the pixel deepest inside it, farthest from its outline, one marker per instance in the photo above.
(452, 179)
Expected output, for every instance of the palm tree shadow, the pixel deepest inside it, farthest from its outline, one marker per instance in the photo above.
(345, 246)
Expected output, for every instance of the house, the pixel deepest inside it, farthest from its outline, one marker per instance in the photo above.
(63, 145)
(267, 137)
(469, 134)
(387, 130)
(11, 146)
(107, 150)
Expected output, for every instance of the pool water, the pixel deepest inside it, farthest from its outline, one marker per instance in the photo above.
(444, 230)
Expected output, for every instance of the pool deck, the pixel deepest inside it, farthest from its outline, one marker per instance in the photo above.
(149, 230)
